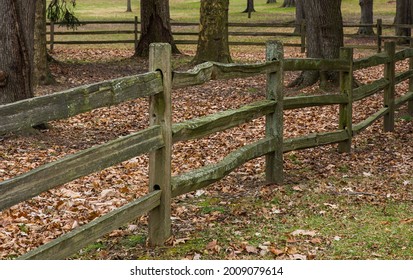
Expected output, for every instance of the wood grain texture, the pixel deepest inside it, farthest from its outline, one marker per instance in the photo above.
(71, 242)
(209, 174)
(297, 102)
(315, 140)
(203, 126)
(29, 112)
(74, 166)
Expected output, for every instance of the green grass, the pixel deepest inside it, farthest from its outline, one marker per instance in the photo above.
(188, 10)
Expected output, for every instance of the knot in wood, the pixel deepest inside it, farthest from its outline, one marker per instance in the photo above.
(3, 78)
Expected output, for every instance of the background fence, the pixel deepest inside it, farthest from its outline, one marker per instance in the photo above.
(186, 33)
(162, 134)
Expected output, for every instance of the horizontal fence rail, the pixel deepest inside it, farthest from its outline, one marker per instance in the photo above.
(157, 140)
(34, 111)
(259, 31)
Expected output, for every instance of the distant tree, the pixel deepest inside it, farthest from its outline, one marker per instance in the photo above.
(155, 26)
(16, 57)
(324, 32)
(366, 7)
(213, 32)
(41, 71)
(250, 7)
(404, 15)
(271, 1)
(129, 6)
(57, 11)
(288, 3)
(63, 11)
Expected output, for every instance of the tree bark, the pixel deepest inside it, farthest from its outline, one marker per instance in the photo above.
(288, 3)
(366, 7)
(16, 41)
(41, 71)
(324, 32)
(213, 35)
(155, 26)
(403, 16)
(250, 7)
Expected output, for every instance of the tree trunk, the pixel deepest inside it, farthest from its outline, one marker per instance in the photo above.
(271, 1)
(403, 16)
(128, 6)
(155, 26)
(324, 32)
(213, 35)
(16, 41)
(288, 3)
(366, 7)
(250, 7)
(299, 16)
(41, 72)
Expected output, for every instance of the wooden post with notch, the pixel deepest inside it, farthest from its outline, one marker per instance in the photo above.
(274, 121)
(160, 160)
(389, 75)
(379, 34)
(346, 110)
(410, 102)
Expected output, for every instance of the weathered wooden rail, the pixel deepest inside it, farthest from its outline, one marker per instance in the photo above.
(237, 33)
(158, 138)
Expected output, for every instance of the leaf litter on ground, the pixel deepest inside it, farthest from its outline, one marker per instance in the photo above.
(380, 164)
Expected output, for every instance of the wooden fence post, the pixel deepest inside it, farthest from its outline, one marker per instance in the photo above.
(274, 121)
(136, 31)
(51, 36)
(303, 30)
(389, 74)
(410, 102)
(379, 34)
(160, 160)
(346, 110)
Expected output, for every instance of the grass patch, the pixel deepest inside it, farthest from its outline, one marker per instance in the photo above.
(335, 227)
(134, 240)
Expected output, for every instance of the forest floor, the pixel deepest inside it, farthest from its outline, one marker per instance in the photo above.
(331, 206)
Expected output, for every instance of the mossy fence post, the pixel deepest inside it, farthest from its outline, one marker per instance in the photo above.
(346, 110)
(274, 121)
(389, 75)
(160, 160)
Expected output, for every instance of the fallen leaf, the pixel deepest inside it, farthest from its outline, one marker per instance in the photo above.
(275, 251)
(304, 232)
(407, 221)
(298, 257)
(315, 241)
(251, 249)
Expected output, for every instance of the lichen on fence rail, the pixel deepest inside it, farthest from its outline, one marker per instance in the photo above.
(207, 71)
(71, 242)
(30, 112)
(200, 127)
(51, 175)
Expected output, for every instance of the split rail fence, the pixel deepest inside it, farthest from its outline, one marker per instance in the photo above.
(186, 33)
(158, 138)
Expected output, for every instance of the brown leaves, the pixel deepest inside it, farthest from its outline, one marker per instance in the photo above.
(44, 218)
